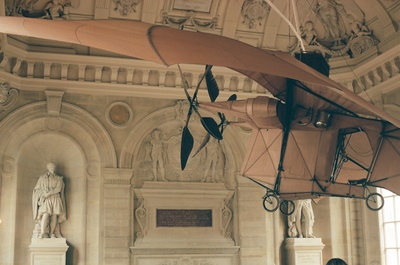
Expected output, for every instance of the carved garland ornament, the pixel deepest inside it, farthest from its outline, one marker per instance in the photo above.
(188, 20)
(125, 7)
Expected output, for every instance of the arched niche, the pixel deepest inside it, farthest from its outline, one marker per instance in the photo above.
(80, 147)
(170, 121)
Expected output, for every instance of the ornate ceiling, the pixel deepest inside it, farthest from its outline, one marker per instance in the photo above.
(333, 27)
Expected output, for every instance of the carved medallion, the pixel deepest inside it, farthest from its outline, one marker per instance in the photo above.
(119, 114)
(8, 165)
(93, 170)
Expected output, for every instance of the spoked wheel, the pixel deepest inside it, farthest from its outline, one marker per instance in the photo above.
(375, 201)
(286, 207)
(270, 202)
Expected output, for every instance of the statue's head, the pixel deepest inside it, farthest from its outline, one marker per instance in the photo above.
(156, 134)
(51, 167)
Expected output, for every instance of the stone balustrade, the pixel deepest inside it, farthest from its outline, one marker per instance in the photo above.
(121, 72)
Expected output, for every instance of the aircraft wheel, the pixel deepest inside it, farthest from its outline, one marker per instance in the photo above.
(270, 202)
(287, 207)
(375, 201)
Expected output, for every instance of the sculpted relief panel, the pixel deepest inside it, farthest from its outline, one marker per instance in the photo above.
(334, 28)
(159, 155)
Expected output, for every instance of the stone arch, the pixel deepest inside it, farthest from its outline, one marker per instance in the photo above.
(392, 109)
(234, 150)
(80, 146)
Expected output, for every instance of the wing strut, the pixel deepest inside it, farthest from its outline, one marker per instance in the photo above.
(286, 130)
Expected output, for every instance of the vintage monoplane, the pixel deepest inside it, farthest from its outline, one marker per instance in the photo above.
(312, 138)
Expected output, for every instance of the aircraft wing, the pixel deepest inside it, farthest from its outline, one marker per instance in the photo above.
(160, 44)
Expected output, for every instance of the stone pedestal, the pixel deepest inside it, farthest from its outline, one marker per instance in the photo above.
(48, 251)
(304, 251)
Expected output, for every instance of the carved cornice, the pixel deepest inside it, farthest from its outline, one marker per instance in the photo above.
(196, 250)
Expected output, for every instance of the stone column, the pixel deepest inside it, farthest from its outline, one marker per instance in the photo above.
(117, 215)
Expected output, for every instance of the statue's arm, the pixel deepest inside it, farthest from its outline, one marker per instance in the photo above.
(58, 188)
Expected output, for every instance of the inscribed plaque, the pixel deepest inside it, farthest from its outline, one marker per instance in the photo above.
(184, 218)
(308, 258)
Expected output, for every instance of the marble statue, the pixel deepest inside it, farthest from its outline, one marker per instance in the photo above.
(157, 154)
(48, 202)
(302, 220)
(210, 160)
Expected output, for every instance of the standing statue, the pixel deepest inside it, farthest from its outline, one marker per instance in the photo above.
(331, 14)
(48, 202)
(210, 160)
(157, 154)
(302, 220)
